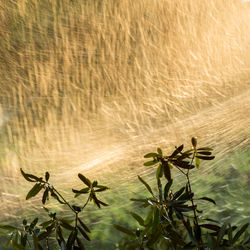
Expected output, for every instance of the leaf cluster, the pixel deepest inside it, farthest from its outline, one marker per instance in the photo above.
(68, 234)
(172, 220)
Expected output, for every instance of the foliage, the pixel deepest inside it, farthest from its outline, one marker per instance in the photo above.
(173, 220)
(69, 234)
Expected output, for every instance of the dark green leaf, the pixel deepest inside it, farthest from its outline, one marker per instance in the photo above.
(211, 227)
(204, 153)
(208, 199)
(29, 177)
(66, 225)
(182, 164)
(138, 218)
(145, 184)
(80, 243)
(45, 196)
(8, 227)
(83, 233)
(46, 223)
(156, 220)
(205, 157)
(47, 176)
(83, 225)
(33, 223)
(205, 148)
(178, 193)
(194, 141)
(59, 234)
(34, 191)
(101, 188)
(149, 155)
(124, 230)
(221, 234)
(44, 235)
(24, 239)
(177, 151)
(167, 187)
(240, 232)
(84, 179)
(71, 239)
(166, 170)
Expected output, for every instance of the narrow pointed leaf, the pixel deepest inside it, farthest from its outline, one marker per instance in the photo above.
(83, 233)
(29, 177)
(205, 157)
(84, 179)
(208, 199)
(149, 155)
(167, 187)
(150, 163)
(240, 232)
(145, 184)
(83, 225)
(177, 151)
(34, 191)
(124, 230)
(138, 218)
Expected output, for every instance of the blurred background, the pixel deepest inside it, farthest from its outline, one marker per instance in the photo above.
(91, 86)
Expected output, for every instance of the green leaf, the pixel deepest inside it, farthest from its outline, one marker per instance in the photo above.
(47, 176)
(138, 218)
(71, 239)
(194, 141)
(167, 187)
(159, 171)
(204, 153)
(83, 233)
(34, 191)
(240, 232)
(178, 193)
(221, 234)
(45, 196)
(177, 151)
(156, 220)
(84, 179)
(66, 225)
(80, 243)
(205, 148)
(207, 199)
(159, 151)
(29, 177)
(150, 163)
(101, 188)
(197, 162)
(208, 158)
(124, 230)
(83, 225)
(211, 227)
(166, 170)
(149, 155)
(82, 191)
(46, 223)
(8, 227)
(146, 185)
(44, 235)
(33, 223)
